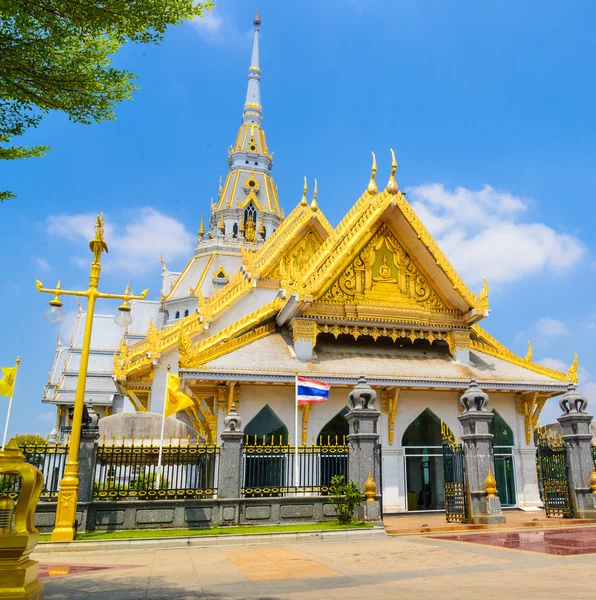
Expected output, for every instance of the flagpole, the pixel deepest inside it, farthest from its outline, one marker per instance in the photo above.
(163, 424)
(14, 383)
(296, 467)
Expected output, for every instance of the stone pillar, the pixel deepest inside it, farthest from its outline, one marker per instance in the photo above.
(363, 441)
(229, 482)
(575, 423)
(484, 505)
(88, 455)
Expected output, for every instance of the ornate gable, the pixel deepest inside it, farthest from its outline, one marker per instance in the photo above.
(296, 257)
(383, 272)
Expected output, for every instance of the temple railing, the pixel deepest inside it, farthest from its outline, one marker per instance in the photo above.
(269, 468)
(125, 471)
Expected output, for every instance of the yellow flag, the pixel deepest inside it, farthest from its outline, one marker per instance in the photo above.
(175, 399)
(9, 375)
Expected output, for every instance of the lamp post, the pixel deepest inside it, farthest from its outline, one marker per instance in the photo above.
(64, 530)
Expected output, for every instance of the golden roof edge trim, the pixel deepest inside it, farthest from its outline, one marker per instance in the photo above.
(489, 345)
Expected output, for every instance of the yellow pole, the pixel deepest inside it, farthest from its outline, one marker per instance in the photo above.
(66, 509)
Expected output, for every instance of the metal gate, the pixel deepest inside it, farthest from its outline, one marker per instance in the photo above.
(551, 466)
(455, 478)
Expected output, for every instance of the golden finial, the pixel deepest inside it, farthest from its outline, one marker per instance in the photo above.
(483, 297)
(304, 201)
(529, 354)
(222, 225)
(202, 228)
(593, 481)
(370, 488)
(392, 186)
(372, 185)
(490, 485)
(262, 230)
(572, 373)
(314, 204)
(98, 244)
(163, 264)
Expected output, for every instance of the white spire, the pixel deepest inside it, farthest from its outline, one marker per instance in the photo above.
(252, 106)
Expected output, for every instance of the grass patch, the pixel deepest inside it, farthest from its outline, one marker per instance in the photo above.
(243, 529)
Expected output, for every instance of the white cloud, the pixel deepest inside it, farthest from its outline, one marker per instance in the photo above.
(554, 363)
(483, 235)
(42, 263)
(209, 23)
(135, 247)
(549, 327)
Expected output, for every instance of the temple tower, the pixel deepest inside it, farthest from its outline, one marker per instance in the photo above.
(247, 208)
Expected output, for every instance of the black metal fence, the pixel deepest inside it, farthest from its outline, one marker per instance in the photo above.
(50, 459)
(456, 509)
(551, 465)
(269, 469)
(126, 471)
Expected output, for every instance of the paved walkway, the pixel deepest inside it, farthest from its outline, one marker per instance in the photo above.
(406, 567)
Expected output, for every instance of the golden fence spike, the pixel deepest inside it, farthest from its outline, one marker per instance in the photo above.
(336, 440)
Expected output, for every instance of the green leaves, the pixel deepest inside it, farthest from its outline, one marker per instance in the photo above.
(56, 55)
(346, 497)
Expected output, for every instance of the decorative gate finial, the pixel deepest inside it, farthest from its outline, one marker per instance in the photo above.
(362, 396)
(573, 401)
(474, 399)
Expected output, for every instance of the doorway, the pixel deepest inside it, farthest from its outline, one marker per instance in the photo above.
(423, 443)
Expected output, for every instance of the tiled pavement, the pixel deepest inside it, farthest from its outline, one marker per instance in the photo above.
(408, 567)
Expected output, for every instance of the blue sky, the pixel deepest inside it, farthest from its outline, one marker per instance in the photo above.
(490, 108)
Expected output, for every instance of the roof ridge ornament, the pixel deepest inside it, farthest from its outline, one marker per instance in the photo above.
(392, 186)
(530, 353)
(304, 201)
(572, 373)
(314, 204)
(372, 189)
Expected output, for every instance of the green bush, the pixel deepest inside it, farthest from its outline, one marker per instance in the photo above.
(345, 498)
(146, 482)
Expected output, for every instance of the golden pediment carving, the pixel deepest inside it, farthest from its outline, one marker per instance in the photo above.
(293, 262)
(384, 272)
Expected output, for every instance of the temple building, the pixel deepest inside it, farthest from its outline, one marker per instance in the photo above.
(266, 296)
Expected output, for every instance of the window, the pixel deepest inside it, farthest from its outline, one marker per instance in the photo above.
(504, 460)
(250, 211)
(235, 230)
(186, 313)
(177, 314)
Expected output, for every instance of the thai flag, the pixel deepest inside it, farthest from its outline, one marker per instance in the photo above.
(309, 391)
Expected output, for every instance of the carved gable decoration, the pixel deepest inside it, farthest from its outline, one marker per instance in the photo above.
(293, 261)
(384, 272)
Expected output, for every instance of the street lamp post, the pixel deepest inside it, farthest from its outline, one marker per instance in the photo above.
(64, 530)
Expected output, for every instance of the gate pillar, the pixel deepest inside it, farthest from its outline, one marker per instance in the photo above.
(363, 440)
(483, 504)
(229, 484)
(575, 425)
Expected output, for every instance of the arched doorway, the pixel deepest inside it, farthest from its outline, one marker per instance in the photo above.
(333, 456)
(335, 430)
(504, 465)
(423, 443)
(266, 429)
(267, 467)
